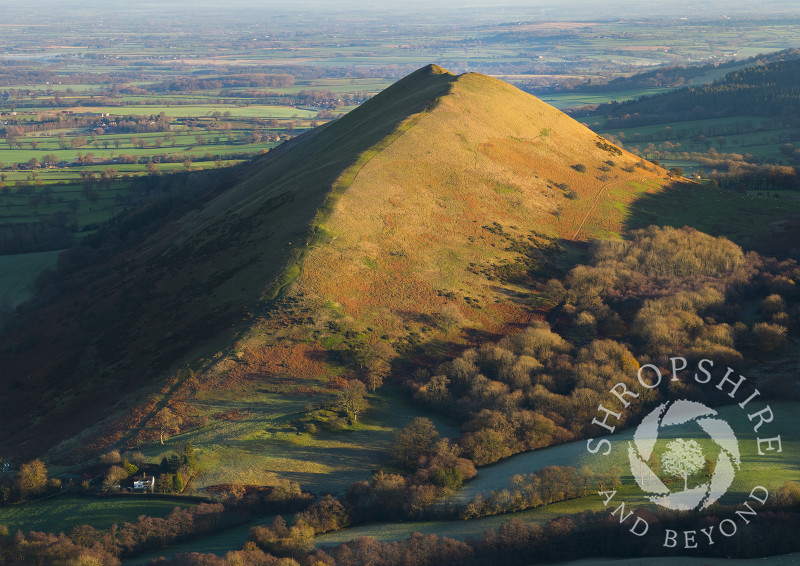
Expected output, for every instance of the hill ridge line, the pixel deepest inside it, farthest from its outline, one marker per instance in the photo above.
(382, 145)
(295, 267)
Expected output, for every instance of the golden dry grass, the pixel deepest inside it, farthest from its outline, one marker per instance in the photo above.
(410, 222)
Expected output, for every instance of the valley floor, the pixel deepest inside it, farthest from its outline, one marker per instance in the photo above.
(755, 470)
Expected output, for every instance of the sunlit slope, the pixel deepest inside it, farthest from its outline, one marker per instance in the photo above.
(415, 225)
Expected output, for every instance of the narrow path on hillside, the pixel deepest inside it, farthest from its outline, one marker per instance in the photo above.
(591, 209)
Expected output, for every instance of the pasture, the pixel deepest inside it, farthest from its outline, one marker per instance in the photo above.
(458, 529)
(202, 110)
(74, 202)
(266, 440)
(566, 100)
(742, 218)
(60, 514)
(219, 543)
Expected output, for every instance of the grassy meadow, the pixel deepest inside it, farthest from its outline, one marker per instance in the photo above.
(219, 543)
(742, 218)
(569, 100)
(457, 529)
(60, 514)
(268, 440)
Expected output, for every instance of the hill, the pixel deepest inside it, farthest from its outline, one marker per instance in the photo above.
(408, 226)
(682, 75)
(764, 90)
(740, 130)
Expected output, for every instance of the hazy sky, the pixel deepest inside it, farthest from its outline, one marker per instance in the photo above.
(457, 9)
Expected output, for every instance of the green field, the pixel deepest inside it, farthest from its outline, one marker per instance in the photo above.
(17, 206)
(458, 529)
(220, 543)
(266, 442)
(769, 471)
(192, 111)
(369, 85)
(566, 100)
(184, 144)
(60, 514)
(709, 210)
(18, 273)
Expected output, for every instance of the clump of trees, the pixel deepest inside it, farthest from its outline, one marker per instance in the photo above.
(549, 485)
(281, 539)
(30, 482)
(177, 470)
(327, 514)
(522, 393)
(659, 292)
(352, 400)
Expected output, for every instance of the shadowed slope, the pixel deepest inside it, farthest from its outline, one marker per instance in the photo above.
(174, 297)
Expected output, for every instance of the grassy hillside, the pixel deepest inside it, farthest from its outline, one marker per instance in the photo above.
(436, 228)
(417, 220)
(429, 209)
(176, 296)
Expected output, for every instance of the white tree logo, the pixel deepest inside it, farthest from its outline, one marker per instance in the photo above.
(683, 458)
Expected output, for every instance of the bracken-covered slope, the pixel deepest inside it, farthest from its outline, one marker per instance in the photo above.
(411, 224)
(398, 215)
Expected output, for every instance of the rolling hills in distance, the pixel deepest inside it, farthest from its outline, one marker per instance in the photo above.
(738, 131)
(765, 89)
